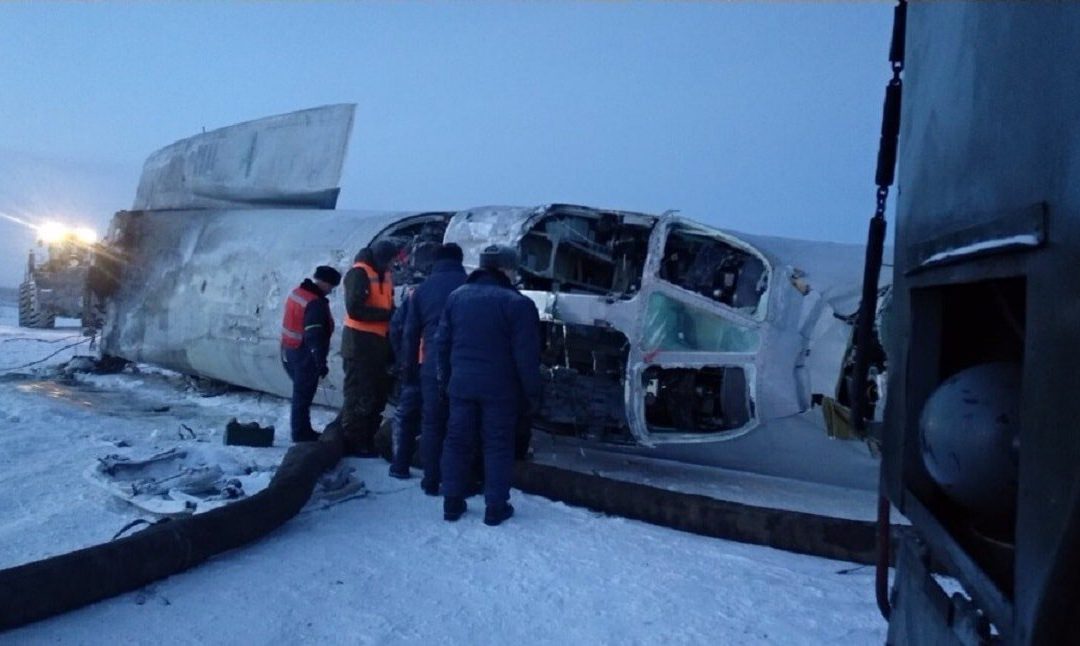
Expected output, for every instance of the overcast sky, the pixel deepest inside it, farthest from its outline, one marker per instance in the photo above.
(755, 117)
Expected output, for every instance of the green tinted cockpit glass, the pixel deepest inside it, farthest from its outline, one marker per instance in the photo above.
(674, 326)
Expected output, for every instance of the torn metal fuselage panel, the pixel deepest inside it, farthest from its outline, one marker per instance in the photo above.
(662, 330)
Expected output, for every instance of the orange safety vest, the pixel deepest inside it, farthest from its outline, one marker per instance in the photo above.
(380, 296)
(292, 328)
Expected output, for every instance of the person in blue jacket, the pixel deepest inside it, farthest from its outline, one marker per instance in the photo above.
(306, 329)
(421, 324)
(488, 348)
(407, 412)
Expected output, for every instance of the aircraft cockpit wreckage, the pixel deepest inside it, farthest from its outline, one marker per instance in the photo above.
(660, 336)
(659, 332)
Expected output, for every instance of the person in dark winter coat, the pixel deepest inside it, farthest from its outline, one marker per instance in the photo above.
(305, 343)
(407, 413)
(419, 363)
(488, 347)
(365, 349)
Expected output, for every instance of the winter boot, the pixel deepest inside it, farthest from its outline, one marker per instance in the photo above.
(453, 507)
(496, 514)
(401, 473)
(430, 488)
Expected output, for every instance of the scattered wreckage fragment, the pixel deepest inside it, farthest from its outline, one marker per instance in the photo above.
(165, 483)
(181, 481)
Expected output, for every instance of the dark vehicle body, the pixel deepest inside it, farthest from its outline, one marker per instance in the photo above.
(56, 286)
(986, 255)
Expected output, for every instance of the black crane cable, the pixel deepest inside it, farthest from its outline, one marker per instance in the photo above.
(875, 245)
(44, 359)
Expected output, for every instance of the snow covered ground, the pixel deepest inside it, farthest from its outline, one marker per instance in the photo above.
(385, 568)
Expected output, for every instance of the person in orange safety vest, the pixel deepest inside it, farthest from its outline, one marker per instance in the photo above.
(305, 343)
(365, 348)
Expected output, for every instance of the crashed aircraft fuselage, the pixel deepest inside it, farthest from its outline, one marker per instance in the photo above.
(658, 332)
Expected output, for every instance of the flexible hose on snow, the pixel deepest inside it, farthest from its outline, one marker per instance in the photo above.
(48, 587)
(793, 531)
(44, 588)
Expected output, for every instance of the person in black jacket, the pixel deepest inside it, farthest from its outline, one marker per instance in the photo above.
(418, 361)
(488, 348)
(365, 349)
(305, 343)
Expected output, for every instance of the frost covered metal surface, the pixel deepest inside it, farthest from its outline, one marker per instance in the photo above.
(293, 159)
(1023, 240)
(202, 291)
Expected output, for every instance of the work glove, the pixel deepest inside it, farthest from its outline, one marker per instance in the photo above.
(324, 370)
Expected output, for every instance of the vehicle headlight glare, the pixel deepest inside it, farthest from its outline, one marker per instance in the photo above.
(52, 232)
(86, 235)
